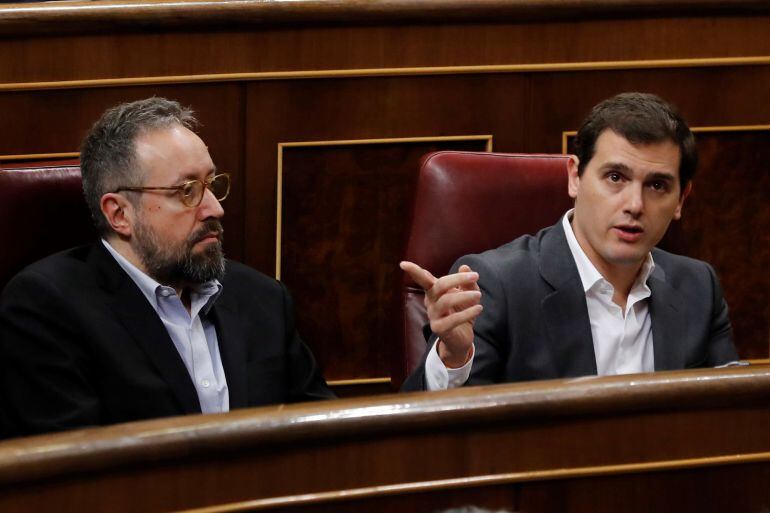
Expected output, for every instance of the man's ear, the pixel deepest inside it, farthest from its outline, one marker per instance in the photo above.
(119, 213)
(572, 175)
(686, 192)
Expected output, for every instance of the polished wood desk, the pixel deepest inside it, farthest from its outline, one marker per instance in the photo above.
(673, 441)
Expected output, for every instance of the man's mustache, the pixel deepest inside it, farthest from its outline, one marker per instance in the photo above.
(210, 226)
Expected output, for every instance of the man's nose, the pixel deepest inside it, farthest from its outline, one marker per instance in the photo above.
(634, 201)
(210, 206)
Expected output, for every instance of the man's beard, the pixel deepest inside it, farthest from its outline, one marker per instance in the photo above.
(179, 266)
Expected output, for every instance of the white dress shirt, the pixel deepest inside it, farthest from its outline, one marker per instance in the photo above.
(193, 334)
(622, 339)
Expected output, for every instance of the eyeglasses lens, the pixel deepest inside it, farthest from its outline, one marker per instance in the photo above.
(192, 192)
(220, 186)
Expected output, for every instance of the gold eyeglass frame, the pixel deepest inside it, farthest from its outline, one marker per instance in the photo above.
(206, 184)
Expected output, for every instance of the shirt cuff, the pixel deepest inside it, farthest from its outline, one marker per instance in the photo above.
(439, 377)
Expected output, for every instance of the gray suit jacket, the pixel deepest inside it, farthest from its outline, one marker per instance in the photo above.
(535, 321)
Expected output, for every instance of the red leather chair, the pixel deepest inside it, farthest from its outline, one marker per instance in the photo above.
(467, 203)
(42, 211)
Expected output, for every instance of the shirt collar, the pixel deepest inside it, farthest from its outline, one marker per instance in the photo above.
(151, 288)
(589, 275)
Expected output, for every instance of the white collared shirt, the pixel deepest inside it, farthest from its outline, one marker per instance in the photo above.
(622, 339)
(193, 334)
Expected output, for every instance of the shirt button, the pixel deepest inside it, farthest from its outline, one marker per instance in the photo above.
(205, 383)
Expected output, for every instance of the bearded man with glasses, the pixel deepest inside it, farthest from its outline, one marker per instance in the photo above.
(152, 320)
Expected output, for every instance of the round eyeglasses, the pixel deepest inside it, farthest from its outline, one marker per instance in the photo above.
(191, 192)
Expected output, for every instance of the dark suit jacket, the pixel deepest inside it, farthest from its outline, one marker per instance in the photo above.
(82, 346)
(535, 321)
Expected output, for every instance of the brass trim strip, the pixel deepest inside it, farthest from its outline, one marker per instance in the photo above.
(385, 72)
(486, 480)
(564, 136)
(278, 211)
(759, 361)
(358, 381)
(353, 142)
(346, 142)
(695, 129)
(39, 156)
(727, 128)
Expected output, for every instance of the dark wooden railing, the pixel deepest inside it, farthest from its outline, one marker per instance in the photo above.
(647, 442)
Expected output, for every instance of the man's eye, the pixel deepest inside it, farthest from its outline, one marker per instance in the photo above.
(659, 185)
(614, 177)
(188, 190)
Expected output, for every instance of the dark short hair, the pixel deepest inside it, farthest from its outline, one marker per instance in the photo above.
(108, 153)
(641, 118)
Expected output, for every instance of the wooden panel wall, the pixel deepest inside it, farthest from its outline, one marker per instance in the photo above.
(344, 210)
(726, 224)
(258, 86)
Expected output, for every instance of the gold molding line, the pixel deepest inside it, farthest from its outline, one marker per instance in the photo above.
(384, 72)
(347, 142)
(564, 136)
(695, 129)
(354, 142)
(39, 156)
(358, 381)
(728, 128)
(278, 211)
(486, 480)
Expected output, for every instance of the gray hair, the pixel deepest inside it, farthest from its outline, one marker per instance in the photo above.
(108, 153)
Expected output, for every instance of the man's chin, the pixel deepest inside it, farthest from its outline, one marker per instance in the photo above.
(627, 258)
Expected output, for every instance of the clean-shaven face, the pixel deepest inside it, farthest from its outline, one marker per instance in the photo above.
(624, 201)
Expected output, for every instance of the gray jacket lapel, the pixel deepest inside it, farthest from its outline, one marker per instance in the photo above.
(669, 325)
(564, 310)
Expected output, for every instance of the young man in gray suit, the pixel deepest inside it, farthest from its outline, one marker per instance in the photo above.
(591, 294)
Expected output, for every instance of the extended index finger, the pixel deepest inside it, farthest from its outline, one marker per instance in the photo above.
(421, 277)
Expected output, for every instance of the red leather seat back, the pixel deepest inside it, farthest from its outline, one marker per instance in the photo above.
(42, 211)
(467, 203)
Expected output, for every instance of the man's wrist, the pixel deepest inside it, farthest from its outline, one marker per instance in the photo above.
(451, 360)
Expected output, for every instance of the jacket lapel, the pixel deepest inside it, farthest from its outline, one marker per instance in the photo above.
(145, 327)
(564, 310)
(669, 330)
(232, 349)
